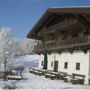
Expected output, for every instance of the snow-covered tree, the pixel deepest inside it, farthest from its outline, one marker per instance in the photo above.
(5, 42)
(15, 47)
(27, 46)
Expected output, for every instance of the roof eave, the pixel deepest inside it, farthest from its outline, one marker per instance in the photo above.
(79, 10)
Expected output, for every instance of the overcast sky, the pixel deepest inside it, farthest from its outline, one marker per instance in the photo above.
(21, 15)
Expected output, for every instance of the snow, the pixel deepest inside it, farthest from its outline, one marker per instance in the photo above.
(28, 61)
(72, 7)
(14, 77)
(31, 81)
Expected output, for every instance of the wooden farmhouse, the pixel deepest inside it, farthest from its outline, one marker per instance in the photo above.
(65, 33)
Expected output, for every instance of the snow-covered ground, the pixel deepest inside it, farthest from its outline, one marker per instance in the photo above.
(31, 81)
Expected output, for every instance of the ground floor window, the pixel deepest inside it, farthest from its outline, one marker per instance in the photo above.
(66, 65)
(77, 66)
(52, 64)
(42, 63)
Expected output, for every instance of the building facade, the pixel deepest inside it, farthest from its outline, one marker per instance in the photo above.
(65, 32)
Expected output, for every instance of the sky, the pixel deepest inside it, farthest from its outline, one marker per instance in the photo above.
(21, 15)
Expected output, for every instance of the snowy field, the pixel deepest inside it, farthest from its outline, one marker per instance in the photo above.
(31, 81)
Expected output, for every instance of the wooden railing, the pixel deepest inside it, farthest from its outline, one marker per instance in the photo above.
(68, 43)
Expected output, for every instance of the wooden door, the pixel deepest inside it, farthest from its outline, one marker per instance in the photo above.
(55, 66)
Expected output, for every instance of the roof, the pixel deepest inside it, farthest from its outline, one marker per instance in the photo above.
(50, 11)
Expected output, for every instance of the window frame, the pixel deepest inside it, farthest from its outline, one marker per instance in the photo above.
(77, 66)
(65, 65)
(51, 63)
(42, 63)
(74, 34)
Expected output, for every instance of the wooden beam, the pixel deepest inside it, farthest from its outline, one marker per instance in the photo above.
(71, 51)
(69, 25)
(85, 51)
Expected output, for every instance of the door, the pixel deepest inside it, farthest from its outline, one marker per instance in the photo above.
(55, 66)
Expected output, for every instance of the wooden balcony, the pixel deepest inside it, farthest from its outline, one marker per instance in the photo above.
(64, 44)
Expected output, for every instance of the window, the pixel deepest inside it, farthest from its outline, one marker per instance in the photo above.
(63, 37)
(66, 65)
(42, 63)
(86, 32)
(74, 34)
(52, 64)
(77, 66)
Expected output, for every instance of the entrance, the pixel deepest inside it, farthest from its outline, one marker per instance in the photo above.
(55, 66)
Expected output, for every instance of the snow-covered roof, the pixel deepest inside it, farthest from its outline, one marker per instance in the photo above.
(72, 7)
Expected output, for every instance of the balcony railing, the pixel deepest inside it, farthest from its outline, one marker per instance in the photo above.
(64, 44)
